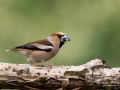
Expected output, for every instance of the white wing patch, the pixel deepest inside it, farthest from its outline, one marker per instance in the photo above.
(44, 47)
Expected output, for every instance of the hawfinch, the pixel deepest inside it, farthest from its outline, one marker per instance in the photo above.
(42, 50)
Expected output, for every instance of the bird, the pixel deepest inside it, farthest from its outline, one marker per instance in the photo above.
(42, 50)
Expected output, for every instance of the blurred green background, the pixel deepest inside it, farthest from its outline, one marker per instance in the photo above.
(92, 25)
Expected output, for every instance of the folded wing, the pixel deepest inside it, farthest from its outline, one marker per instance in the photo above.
(41, 45)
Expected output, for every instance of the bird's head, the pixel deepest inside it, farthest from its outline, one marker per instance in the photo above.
(61, 36)
(58, 38)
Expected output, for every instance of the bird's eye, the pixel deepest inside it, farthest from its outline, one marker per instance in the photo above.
(59, 36)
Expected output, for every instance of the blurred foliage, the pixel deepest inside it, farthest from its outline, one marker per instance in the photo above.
(92, 25)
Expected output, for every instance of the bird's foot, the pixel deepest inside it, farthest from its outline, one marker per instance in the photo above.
(50, 65)
(33, 64)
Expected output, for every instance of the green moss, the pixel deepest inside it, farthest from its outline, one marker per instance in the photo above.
(43, 80)
(75, 73)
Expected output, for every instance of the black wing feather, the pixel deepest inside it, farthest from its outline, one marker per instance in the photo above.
(32, 47)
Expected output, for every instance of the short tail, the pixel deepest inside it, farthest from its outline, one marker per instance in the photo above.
(7, 50)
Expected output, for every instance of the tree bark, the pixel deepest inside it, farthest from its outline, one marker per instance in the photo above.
(93, 75)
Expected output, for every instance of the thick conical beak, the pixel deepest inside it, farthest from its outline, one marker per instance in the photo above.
(65, 38)
(68, 39)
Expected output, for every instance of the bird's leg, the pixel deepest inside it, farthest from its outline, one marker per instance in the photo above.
(31, 63)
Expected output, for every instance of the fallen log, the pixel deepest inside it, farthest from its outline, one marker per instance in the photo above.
(94, 75)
